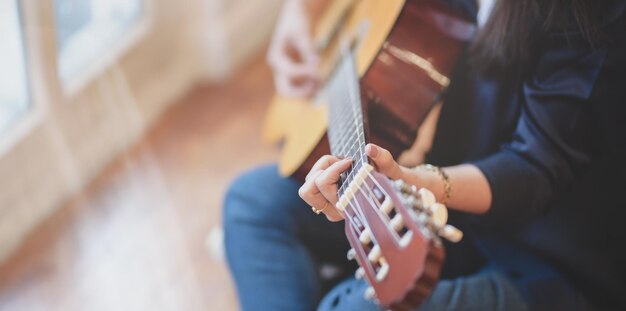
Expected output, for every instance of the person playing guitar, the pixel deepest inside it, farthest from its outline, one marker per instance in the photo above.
(528, 144)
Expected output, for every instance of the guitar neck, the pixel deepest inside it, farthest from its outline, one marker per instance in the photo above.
(346, 131)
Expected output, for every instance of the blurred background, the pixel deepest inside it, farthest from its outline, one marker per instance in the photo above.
(122, 123)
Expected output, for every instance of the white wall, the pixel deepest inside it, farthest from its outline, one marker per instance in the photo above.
(67, 141)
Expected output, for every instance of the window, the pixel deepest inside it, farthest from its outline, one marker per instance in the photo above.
(87, 28)
(14, 97)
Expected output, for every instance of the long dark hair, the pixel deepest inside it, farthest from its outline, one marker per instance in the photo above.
(515, 28)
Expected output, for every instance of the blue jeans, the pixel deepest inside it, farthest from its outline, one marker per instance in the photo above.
(275, 246)
(274, 243)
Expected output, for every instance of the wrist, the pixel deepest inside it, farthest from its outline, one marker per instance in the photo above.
(423, 179)
(436, 180)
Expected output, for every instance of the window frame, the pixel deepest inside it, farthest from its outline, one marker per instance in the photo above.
(73, 86)
(44, 85)
(34, 114)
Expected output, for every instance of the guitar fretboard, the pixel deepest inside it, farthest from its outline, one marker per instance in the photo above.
(345, 127)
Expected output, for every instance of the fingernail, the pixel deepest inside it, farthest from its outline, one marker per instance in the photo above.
(372, 151)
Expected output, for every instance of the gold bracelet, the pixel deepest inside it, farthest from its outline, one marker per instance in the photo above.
(447, 185)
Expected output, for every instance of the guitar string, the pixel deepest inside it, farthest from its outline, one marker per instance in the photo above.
(350, 131)
(355, 211)
(347, 127)
(357, 154)
(357, 113)
(360, 211)
(346, 136)
(379, 214)
(376, 204)
(366, 224)
(345, 149)
(382, 215)
(364, 220)
(358, 216)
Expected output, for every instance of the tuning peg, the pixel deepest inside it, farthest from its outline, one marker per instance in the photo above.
(387, 206)
(351, 254)
(451, 233)
(439, 214)
(383, 272)
(374, 254)
(365, 237)
(397, 183)
(359, 273)
(404, 187)
(427, 197)
(413, 202)
(370, 293)
(397, 223)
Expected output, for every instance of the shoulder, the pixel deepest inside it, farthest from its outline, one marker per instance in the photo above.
(571, 63)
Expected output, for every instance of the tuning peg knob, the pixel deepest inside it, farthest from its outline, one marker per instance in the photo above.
(451, 233)
(383, 272)
(351, 254)
(404, 187)
(439, 215)
(397, 223)
(370, 293)
(374, 254)
(397, 184)
(427, 197)
(359, 274)
(365, 237)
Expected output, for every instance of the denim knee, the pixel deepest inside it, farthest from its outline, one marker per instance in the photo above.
(260, 196)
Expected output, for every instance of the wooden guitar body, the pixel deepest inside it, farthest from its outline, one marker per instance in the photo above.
(404, 54)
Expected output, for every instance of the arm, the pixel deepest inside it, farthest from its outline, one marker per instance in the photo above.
(551, 144)
(471, 191)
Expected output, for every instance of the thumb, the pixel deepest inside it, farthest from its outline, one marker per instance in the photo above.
(383, 160)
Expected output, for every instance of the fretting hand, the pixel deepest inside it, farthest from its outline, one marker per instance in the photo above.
(320, 187)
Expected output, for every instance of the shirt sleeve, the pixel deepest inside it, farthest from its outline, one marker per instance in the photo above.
(552, 140)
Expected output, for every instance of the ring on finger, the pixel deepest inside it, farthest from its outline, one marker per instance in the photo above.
(319, 211)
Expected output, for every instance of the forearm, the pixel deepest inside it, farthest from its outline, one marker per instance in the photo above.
(470, 191)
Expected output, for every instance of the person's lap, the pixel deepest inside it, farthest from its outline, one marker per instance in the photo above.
(485, 290)
(275, 243)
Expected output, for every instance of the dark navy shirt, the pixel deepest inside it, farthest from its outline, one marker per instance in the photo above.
(551, 139)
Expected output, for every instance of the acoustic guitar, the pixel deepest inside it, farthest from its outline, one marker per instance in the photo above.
(387, 64)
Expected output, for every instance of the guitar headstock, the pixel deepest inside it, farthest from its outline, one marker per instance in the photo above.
(395, 232)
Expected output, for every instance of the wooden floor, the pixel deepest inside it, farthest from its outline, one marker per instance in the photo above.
(135, 240)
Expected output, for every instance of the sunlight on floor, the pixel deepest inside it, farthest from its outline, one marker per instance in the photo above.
(136, 239)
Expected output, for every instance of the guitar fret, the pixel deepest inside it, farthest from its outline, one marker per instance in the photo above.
(345, 129)
(346, 150)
